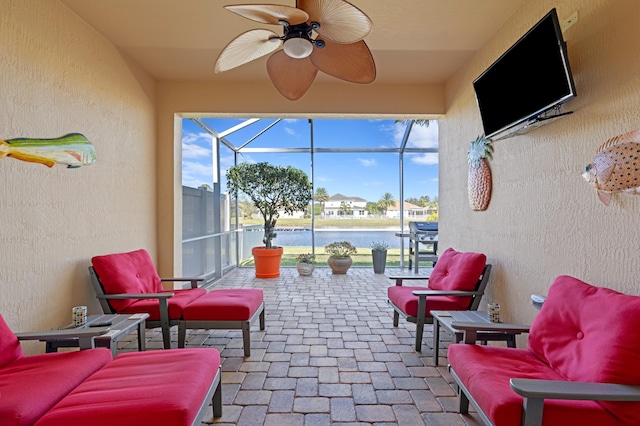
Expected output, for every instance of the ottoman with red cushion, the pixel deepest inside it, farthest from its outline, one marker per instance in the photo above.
(227, 309)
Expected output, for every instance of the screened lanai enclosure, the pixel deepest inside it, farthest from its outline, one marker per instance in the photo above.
(360, 169)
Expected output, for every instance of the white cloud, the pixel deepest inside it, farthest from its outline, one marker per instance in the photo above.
(196, 145)
(366, 162)
(195, 174)
(290, 131)
(426, 159)
(420, 136)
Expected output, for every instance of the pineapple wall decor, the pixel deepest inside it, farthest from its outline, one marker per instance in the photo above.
(479, 183)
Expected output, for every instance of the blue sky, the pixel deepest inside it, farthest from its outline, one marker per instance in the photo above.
(365, 175)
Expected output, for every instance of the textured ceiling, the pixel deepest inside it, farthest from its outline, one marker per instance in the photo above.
(413, 41)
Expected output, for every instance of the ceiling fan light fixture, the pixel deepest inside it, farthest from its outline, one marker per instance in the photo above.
(298, 47)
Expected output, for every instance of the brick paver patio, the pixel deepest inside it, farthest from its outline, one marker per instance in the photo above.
(329, 356)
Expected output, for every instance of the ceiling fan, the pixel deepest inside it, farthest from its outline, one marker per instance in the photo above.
(338, 50)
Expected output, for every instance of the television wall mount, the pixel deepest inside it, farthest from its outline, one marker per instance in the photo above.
(544, 118)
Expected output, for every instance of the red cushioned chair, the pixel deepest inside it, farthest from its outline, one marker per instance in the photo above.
(128, 283)
(580, 366)
(456, 283)
(88, 387)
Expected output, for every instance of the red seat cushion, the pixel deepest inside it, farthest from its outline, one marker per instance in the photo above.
(160, 388)
(404, 299)
(486, 371)
(135, 273)
(10, 349)
(457, 271)
(453, 271)
(177, 303)
(32, 385)
(132, 272)
(225, 305)
(590, 334)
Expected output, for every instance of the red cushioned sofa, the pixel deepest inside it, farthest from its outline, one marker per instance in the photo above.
(581, 365)
(88, 387)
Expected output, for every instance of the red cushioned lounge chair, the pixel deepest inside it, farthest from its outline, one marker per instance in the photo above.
(456, 283)
(89, 387)
(580, 366)
(128, 283)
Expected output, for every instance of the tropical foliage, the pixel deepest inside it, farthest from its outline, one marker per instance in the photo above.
(340, 249)
(271, 189)
(306, 258)
(379, 245)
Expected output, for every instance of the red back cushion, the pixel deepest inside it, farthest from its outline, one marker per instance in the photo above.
(132, 272)
(457, 270)
(10, 348)
(590, 334)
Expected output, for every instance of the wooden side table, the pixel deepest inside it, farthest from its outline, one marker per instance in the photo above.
(121, 326)
(446, 320)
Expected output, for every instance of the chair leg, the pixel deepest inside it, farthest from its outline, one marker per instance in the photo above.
(216, 401)
(463, 402)
(182, 333)
(262, 326)
(246, 338)
(419, 332)
(164, 323)
(420, 320)
(396, 318)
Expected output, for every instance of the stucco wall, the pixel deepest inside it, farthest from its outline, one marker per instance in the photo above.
(57, 76)
(544, 219)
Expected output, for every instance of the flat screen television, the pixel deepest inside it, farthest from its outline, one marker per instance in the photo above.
(529, 79)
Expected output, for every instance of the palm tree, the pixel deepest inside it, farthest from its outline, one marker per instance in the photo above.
(322, 196)
(418, 122)
(386, 201)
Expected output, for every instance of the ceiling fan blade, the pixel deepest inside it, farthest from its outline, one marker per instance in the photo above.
(291, 77)
(340, 21)
(269, 13)
(351, 62)
(245, 48)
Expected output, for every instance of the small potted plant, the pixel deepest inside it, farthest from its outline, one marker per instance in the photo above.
(379, 253)
(340, 256)
(306, 263)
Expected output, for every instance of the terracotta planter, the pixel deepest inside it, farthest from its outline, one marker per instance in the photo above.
(305, 269)
(267, 261)
(340, 265)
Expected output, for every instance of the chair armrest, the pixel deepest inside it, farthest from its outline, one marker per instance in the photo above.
(408, 276)
(555, 389)
(62, 334)
(140, 296)
(194, 281)
(445, 293)
(490, 327)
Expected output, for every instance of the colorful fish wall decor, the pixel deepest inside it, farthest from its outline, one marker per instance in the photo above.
(616, 167)
(73, 149)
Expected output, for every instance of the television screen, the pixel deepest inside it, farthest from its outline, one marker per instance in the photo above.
(530, 78)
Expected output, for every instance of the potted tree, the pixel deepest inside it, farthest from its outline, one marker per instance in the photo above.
(271, 189)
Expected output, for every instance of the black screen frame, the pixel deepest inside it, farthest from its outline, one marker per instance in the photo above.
(518, 87)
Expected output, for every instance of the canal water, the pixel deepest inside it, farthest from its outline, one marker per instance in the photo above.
(359, 238)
